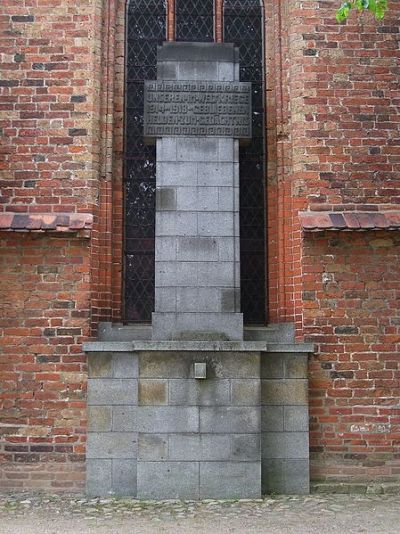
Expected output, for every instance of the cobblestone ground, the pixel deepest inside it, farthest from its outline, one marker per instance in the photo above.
(54, 514)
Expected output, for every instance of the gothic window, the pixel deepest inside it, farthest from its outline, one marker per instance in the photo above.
(146, 26)
(194, 21)
(243, 25)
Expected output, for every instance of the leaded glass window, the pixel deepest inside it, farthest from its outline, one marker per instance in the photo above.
(195, 20)
(243, 25)
(145, 29)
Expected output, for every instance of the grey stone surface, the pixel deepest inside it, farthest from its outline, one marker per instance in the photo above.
(165, 199)
(111, 392)
(197, 249)
(199, 447)
(230, 419)
(153, 447)
(171, 173)
(197, 150)
(230, 480)
(246, 392)
(296, 419)
(168, 480)
(246, 448)
(124, 418)
(168, 419)
(285, 476)
(272, 418)
(197, 299)
(285, 445)
(153, 392)
(100, 365)
(99, 419)
(125, 366)
(140, 345)
(124, 477)
(215, 174)
(208, 392)
(112, 445)
(202, 52)
(99, 477)
(289, 392)
(297, 476)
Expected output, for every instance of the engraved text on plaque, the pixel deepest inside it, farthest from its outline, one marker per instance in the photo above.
(196, 108)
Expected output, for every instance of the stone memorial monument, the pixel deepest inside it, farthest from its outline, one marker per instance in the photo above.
(196, 112)
(189, 407)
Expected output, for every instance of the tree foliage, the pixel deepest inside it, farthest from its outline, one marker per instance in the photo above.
(378, 8)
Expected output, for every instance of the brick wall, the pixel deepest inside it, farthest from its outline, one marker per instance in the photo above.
(44, 296)
(345, 115)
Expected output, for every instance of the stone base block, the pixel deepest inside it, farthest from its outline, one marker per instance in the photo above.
(197, 326)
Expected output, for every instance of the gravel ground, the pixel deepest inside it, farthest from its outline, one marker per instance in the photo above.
(54, 514)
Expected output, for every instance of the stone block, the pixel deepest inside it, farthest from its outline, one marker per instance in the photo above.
(165, 248)
(173, 173)
(212, 274)
(226, 150)
(167, 419)
(228, 248)
(98, 478)
(112, 391)
(296, 419)
(198, 149)
(273, 480)
(167, 70)
(246, 392)
(246, 448)
(296, 365)
(153, 447)
(201, 299)
(215, 224)
(228, 419)
(168, 480)
(199, 447)
(124, 418)
(296, 474)
(197, 249)
(111, 445)
(99, 419)
(198, 70)
(166, 299)
(272, 418)
(100, 365)
(272, 366)
(235, 365)
(199, 393)
(230, 480)
(176, 223)
(153, 392)
(124, 473)
(165, 365)
(226, 71)
(165, 199)
(215, 174)
(230, 300)
(166, 149)
(125, 365)
(228, 199)
(285, 445)
(284, 392)
(175, 51)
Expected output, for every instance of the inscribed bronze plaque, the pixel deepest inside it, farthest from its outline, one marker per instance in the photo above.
(197, 109)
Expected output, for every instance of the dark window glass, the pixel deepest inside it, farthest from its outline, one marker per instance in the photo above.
(195, 20)
(146, 28)
(243, 21)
